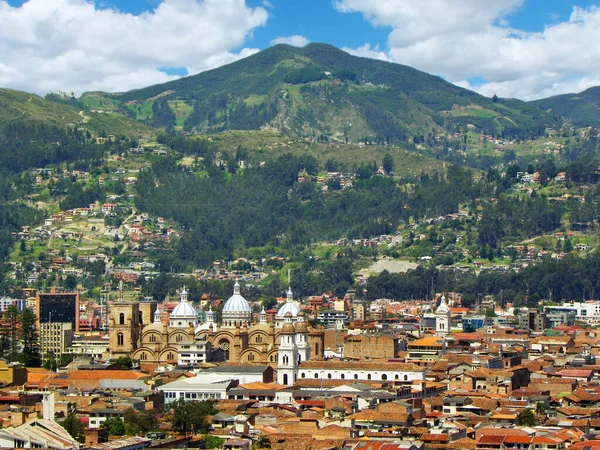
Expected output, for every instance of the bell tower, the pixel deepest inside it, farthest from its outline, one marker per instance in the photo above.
(124, 329)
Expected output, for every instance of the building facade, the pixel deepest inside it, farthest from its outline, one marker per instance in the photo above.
(183, 339)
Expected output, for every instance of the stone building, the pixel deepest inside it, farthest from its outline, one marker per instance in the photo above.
(234, 339)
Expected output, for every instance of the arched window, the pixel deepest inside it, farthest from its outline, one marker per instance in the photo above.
(368, 376)
(178, 338)
(120, 339)
(122, 319)
(329, 376)
(285, 360)
(143, 357)
(259, 339)
(141, 318)
(405, 377)
(356, 376)
(170, 356)
(343, 377)
(303, 375)
(153, 339)
(384, 377)
(316, 375)
(251, 357)
(397, 377)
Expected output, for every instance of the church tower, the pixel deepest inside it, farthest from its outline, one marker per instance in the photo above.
(124, 329)
(287, 355)
(302, 339)
(442, 319)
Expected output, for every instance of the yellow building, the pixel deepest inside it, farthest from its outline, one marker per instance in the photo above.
(234, 339)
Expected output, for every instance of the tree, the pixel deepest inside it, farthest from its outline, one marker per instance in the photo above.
(74, 427)
(115, 426)
(136, 422)
(388, 163)
(213, 441)
(495, 98)
(262, 442)
(122, 363)
(526, 418)
(190, 417)
(540, 408)
(30, 338)
(11, 317)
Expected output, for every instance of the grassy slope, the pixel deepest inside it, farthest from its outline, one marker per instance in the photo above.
(581, 109)
(267, 145)
(22, 106)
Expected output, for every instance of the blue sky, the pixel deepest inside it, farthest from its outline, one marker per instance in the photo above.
(518, 48)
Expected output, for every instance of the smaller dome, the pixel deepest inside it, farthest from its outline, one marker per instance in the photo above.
(288, 308)
(184, 310)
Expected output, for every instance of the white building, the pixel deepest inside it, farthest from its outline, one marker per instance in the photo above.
(197, 388)
(213, 384)
(40, 433)
(92, 346)
(192, 352)
(358, 371)
(5, 302)
(588, 311)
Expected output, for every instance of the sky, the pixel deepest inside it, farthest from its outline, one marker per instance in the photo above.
(525, 49)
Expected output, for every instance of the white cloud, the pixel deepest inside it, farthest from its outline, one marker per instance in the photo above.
(72, 45)
(295, 40)
(366, 51)
(471, 38)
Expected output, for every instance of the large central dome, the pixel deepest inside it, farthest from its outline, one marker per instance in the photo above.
(236, 311)
(236, 303)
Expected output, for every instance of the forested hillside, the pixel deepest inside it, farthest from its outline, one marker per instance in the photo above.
(324, 94)
(581, 109)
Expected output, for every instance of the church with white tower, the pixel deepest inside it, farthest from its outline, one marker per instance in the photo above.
(287, 341)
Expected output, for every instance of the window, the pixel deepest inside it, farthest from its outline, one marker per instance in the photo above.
(368, 376)
(356, 376)
(259, 339)
(343, 377)
(397, 377)
(122, 319)
(303, 375)
(329, 376)
(170, 356)
(143, 356)
(316, 375)
(405, 377)
(120, 339)
(251, 357)
(178, 338)
(153, 338)
(384, 377)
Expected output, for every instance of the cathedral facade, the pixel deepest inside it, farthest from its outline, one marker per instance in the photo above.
(235, 338)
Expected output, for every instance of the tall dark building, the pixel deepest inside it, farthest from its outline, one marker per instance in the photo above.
(58, 307)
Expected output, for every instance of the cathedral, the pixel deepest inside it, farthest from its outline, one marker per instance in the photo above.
(138, 330)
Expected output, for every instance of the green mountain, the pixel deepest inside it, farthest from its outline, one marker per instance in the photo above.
(18, 107)
(320, 93)
(581, 109)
